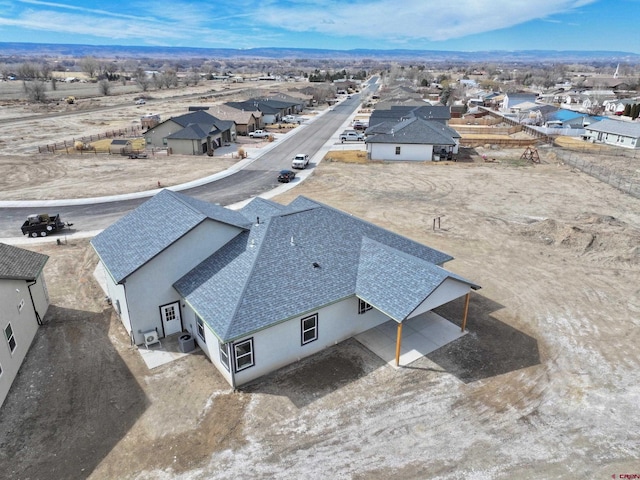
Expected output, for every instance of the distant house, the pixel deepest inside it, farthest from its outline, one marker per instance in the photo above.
(512, 101)
(246, 121)
(269, 284)
(193, 133)
(617, 106)
(272, 110)
(437, 113)
(413, 139)
(614, 132)
(24, 300)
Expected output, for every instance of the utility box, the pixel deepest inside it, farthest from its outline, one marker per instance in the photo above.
(186, 343)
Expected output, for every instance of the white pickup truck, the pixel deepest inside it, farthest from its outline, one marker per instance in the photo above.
(259, 134)
(351, 136)
(301, 160)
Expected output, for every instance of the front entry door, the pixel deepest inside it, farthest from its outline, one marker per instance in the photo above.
(171, 320)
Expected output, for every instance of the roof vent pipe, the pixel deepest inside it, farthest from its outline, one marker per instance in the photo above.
(292, 242)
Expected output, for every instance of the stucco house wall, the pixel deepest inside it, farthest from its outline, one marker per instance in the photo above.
(17, 311)
(408, 152)
(157, 135)
(150, 287)
(276, 346)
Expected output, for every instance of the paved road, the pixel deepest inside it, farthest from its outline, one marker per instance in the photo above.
(255, 179)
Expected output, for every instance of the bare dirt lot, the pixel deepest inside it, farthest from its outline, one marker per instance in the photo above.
(543, 386)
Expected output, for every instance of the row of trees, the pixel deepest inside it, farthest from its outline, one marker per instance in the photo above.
(632, 110)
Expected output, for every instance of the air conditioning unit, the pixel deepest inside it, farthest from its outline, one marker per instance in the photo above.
(151, 338)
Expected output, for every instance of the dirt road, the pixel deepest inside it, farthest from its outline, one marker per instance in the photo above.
(543, 386)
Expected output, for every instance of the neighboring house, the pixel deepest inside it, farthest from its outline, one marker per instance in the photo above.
(24, 300)
(246, 121)
(272, 110)
(397, 113)
(614, 132)
(193, 133)
(617, 106)
(269, 284)
(414, 139)
(511, 101)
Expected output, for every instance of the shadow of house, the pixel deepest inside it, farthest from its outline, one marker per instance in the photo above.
(490, 348)
(72, 402)
(315, 377)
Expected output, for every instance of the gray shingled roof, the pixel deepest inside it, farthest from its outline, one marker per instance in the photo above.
(267, 275)
(408, 280)
(413, 131)
(192, 132)
(20, 264)
(617, 127)
(136, 238)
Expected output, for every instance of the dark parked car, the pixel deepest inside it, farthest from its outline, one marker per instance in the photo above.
(286, 176)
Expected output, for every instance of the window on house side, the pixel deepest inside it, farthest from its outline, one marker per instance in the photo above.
(200, 325)
(397, 150)
(243, 354)
(363, 307)
(224, 355)
(309, 327)
(8, 333)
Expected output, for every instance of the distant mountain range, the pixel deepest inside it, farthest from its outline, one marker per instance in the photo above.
(8, 49)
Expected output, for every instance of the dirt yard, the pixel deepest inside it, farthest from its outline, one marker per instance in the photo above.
(543, 386)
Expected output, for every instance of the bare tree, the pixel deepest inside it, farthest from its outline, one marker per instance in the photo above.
(104, 87)
(45, 70)
(28, 71)
(54, 84)
(90, 66)
(35, 91)
(142, 80)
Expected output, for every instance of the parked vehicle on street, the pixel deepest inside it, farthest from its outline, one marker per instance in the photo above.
(140, 101)
(41, 225)
(351, 136)
(286, 176)
(301, 160)
(259, 134)
(133, 155)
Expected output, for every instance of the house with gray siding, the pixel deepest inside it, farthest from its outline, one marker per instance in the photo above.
(413, 139)
(614, 132)
(24, 300)
(193, 133)
(264, 286)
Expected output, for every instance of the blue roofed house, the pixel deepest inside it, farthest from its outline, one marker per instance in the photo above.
(269, 284)
(24, 300)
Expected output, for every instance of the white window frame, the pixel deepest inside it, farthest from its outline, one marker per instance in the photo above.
(313, 329)
(363, 307)
(200, 328)
(10, 337)
(248, 354)
(21, 305)
(224, 355)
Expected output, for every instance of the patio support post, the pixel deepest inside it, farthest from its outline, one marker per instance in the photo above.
(398, 343)
(466, 311)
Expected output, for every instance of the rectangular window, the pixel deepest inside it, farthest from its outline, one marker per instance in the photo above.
(224, 355)
(118, 309)
(21, 305)
(363, 307)
(243, 354)
(8, 333)
(0, 370)
(397, 150)
(309, 327)
(200, 325)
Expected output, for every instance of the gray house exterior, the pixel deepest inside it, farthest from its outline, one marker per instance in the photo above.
(614, 132)
(24, 300)
(269, 284)
(413, 139)
(194, 133)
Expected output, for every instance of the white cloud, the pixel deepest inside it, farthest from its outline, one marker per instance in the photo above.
(410, 19)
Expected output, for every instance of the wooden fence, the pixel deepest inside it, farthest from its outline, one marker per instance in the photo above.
(70, 146)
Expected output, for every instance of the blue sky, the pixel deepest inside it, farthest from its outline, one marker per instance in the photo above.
(466, 25)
